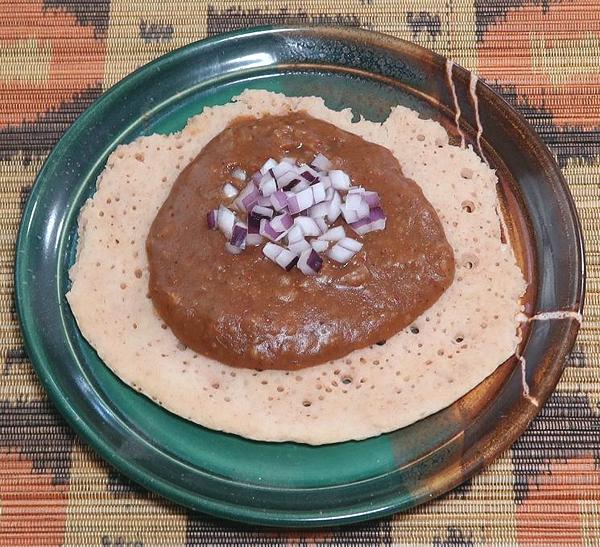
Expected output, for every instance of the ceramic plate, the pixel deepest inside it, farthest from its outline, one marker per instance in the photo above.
(290, 484)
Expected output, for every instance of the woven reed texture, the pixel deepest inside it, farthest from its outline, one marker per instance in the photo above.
(57, 56)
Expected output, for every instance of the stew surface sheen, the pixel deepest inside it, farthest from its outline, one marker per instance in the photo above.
(246, 311)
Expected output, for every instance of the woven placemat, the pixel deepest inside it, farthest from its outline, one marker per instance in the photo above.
(57, 56)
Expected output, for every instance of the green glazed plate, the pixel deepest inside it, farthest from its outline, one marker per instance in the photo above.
(290, 484)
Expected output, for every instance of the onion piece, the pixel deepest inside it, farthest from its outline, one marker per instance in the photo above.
(308, 173)
(339, 179)
(287, 177)
(353, 201)
(319, 192)
(279, 170)
(299, 186)
(363, 209)
(340, 254)
(238, 235)
(211, 219)
(286, 259)
(225, 221)
(319, 210)
(253, 224)
(233, 249)
(255, 178)
(374, 222)
(253, 240)
(299, 246)
(308, 226)
(350, 216)
(271, 251)
(261, 212)
(372, 199)
(269, 164)
(288, 160)
(310, 263)
(268, 231)
(239, 173)
(282, 223)
(301, 201)
(334, 210)
(319, 245)
(267, 185)
(321, 162)
(333, 234)
(350, 244)
(278, 200)
(321, 224)
(247, 198)
(229, 190)
(295, 233)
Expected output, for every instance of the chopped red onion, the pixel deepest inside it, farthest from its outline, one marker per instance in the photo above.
(299, 246)
(334, 234)
(319, 245)
(238, 235)
(233, 249)
(350, 244)
(334, 210)
(265, 201)
(301, 201)
(268, 231)
(339, 179)
(258, 211)
(361, 227)
(319, 210)
(303, 196)
(279, 170)
(295, 233)
(278, 200)
(286, 178)
(271, 251)
(253, 239)
(308, 174)
(248, 197)
(229, 190)
(269, 164)
(239, 174)
(353, 201)
(286, 259)
(253, 224)
(375, 221)
(321, 224)
(225, 221)
(340, 254)
(211, 219)
(321, 163)
(281, 223)
(267, 185)
(349, 215)
(308, 226)
(376, 214)
(318, 191)
(299, 186)
(372, 199)
(310, 263)
(363, 209)
(326, 181)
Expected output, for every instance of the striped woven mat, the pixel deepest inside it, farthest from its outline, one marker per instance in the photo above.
(57, 56)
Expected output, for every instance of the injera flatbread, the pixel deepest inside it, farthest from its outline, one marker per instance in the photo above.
(461, 339)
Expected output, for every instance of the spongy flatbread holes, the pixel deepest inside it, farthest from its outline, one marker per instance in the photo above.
(451, 348)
